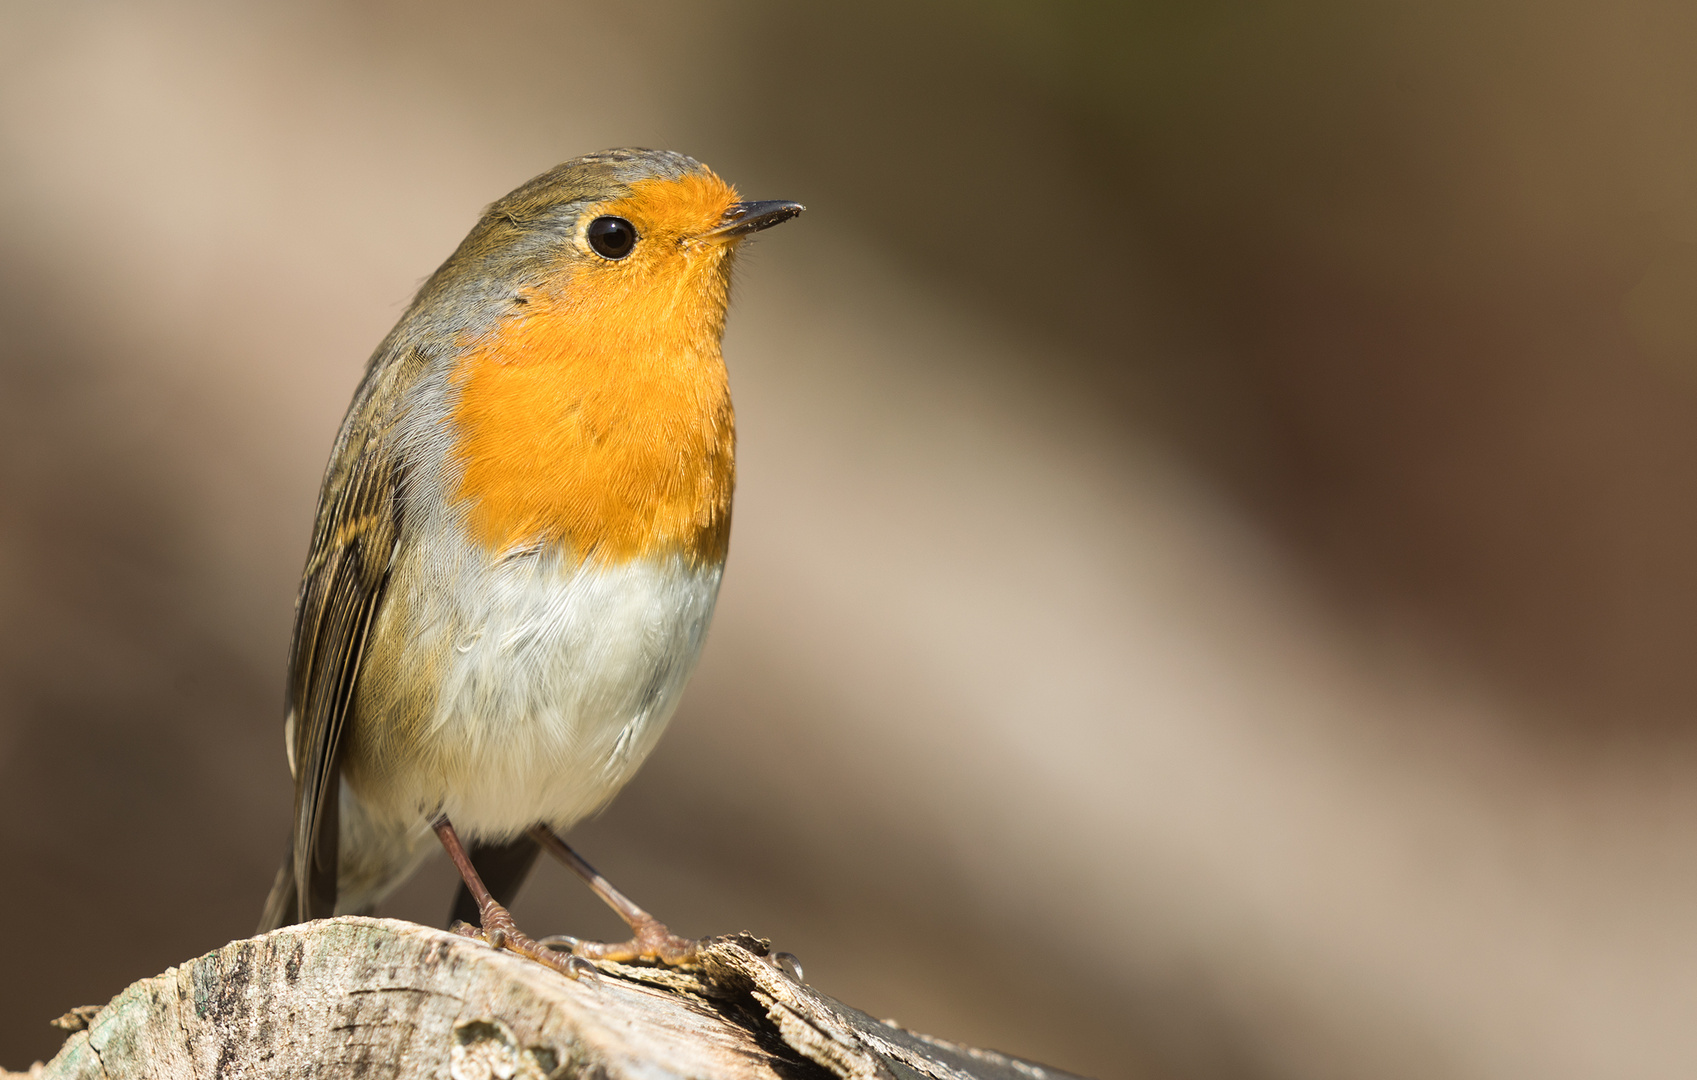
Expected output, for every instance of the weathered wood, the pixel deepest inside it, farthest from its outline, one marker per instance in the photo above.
(378, 997)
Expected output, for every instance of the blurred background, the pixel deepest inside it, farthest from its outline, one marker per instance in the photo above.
(1213, 591)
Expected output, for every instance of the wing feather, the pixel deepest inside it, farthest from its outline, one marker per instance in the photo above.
(341, 593)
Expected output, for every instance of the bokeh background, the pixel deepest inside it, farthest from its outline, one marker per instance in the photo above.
(1213, 591)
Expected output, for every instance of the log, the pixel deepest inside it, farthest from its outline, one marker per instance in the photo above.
(383, 998)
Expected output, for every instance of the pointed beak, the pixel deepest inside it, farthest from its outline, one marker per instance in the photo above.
(750, 217)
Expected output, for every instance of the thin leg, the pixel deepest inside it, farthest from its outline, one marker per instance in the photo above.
(651, 940)
(499, 929)
(503, 868)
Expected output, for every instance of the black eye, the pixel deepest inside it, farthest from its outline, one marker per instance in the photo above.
(612, 237)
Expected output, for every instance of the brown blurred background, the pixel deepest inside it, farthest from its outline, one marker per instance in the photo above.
(1213, 591)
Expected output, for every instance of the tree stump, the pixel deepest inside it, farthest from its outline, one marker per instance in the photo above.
(378, 997)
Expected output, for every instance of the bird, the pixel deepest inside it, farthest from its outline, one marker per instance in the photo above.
(519, 542)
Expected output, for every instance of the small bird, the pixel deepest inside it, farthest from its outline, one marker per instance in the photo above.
(519, 543)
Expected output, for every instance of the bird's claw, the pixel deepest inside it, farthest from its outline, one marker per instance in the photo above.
(651, 941)
(561, 942)
(499, 931)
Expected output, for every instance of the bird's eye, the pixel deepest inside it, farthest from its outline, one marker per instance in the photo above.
(612, 237)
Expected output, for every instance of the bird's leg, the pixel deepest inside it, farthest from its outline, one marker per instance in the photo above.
(499, 929)
(650, 941)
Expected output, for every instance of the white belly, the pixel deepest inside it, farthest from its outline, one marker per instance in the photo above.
(561, 684)
(555, 681)
(558, 680)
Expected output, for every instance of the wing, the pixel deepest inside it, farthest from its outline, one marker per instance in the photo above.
(346, 574)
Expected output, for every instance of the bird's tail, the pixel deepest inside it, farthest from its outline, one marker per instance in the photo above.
(281, 907)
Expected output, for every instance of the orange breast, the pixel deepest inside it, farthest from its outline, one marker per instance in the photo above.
(598, 416)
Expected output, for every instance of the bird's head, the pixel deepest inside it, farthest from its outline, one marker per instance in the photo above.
(583, 316)
(645, 237)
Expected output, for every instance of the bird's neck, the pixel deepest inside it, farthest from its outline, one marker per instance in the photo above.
(605, 428)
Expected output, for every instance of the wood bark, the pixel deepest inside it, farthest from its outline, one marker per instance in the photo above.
(381, 998)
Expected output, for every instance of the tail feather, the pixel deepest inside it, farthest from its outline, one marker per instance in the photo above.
(281, 906)
(503, 868)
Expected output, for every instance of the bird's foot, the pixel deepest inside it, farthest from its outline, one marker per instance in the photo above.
(652, 941)
(501, 932)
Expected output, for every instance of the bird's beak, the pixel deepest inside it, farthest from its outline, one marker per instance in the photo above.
(749, 217)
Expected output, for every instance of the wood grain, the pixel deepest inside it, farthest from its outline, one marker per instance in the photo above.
(381, 998)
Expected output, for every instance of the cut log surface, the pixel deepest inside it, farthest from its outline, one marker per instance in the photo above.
(381, 998)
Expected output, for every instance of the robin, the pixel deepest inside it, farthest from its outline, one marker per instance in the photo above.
(519, 543)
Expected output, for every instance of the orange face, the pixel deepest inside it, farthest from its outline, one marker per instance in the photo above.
(597, 414)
